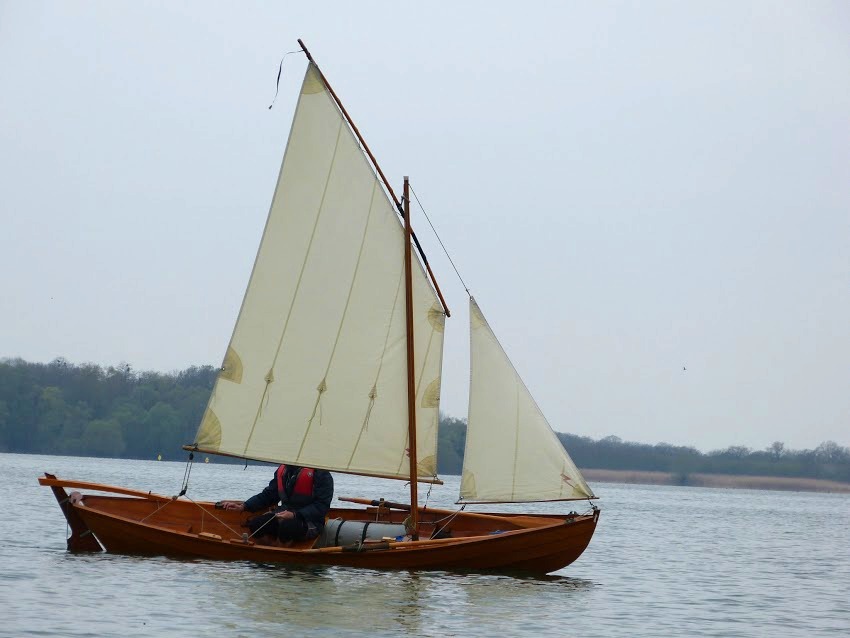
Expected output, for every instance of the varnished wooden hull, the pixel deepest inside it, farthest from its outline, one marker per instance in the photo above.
(154, 525)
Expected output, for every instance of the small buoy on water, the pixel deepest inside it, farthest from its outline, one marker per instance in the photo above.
(159, 457)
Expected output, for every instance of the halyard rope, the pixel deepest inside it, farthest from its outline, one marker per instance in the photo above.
(416, 197)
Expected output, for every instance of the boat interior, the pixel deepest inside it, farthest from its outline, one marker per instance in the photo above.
(344, 526)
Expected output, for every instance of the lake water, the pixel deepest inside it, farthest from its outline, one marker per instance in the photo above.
(665, 561)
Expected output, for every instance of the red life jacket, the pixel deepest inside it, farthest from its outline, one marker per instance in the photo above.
(303, 483)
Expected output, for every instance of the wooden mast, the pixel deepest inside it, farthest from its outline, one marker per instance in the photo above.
(411, 376)
(409, 237)
(378, 169)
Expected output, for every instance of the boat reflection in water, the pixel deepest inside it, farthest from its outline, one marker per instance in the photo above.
(423, 603)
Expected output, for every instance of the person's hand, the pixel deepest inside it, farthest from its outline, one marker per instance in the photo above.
(285, 516)
(235, 506)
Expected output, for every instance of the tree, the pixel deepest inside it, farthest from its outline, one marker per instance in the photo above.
(831, 452)
(162, 432)
(102, 437)
(776, 449)
(450, 445)
(735, 452)
(52, 411)
(4, 424)
(131, 418)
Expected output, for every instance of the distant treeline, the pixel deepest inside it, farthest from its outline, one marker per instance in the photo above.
(62, 408)
(828, 461)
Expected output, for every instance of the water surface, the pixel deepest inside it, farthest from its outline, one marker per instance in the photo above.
(665, 561)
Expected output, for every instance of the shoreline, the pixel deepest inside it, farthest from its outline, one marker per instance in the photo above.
(729, 481)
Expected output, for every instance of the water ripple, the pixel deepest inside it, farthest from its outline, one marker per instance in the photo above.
(665, 561)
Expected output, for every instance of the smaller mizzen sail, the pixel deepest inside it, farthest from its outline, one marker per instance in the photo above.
(512, 454)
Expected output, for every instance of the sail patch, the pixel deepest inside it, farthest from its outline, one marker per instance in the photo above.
(476, 318)
(209, 434)
(431, 398)
(467, 485)
(437, 317)
(312, 82)
(427, 466)
(231, 369)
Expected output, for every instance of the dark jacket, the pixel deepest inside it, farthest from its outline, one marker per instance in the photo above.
(311, 509)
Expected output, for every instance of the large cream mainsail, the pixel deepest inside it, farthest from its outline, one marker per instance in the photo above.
(512, 454)
(316, 370)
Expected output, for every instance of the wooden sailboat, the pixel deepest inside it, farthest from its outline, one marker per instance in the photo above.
(334, 363)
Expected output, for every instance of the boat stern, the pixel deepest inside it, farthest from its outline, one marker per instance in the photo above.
(81, 538)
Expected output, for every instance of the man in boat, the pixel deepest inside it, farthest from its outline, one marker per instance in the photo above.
(301, 497)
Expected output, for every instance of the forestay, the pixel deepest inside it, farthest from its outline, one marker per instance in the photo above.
(315, 373)
(512, 454)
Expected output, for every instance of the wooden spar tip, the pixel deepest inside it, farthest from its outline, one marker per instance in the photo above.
(383, 177)
(304, 49)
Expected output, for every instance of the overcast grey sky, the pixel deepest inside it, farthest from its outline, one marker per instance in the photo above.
(627, 188)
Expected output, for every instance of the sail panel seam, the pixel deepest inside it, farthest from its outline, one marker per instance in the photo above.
(373, 395)
(342, 319)
(297, 286)
(298, 107)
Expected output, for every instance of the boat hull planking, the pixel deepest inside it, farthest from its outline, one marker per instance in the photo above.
(149, 524)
